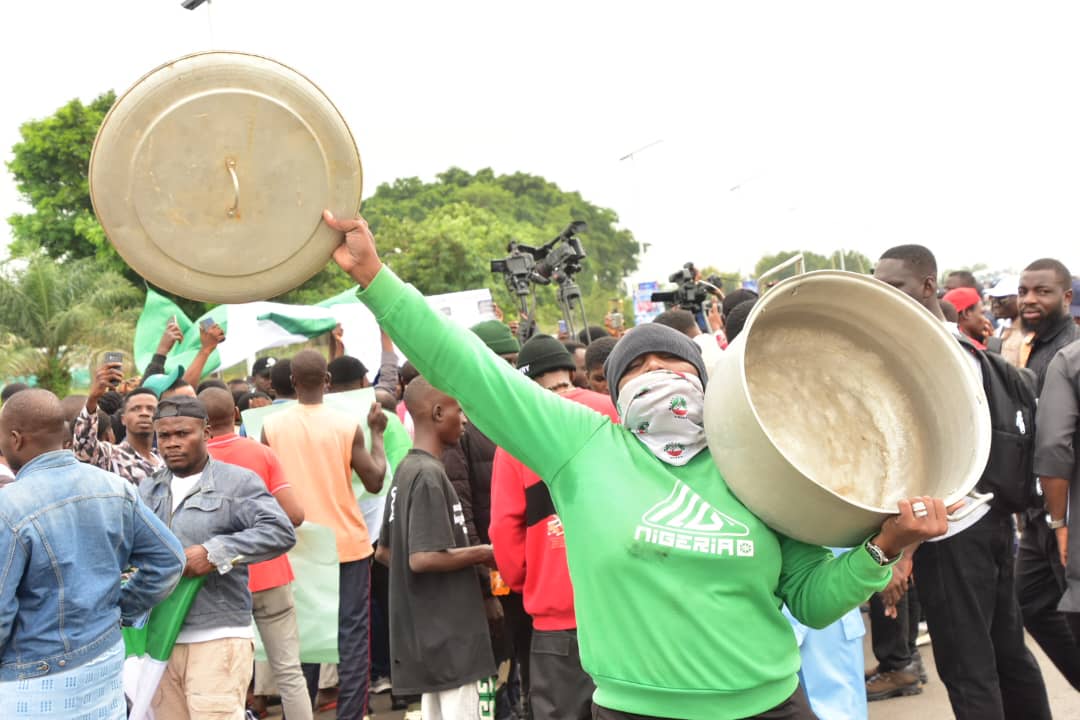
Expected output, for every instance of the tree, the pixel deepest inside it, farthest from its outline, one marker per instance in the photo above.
(54, 316)
(441, 236)
(853, 261)
(50, 168)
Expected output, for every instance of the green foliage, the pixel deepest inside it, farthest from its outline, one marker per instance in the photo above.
(441, 236)
(50, 168)
(853, 261)
(54, 316)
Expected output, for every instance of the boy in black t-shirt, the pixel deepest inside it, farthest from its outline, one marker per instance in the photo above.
(440, 645)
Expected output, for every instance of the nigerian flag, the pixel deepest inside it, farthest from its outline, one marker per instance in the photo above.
(148, 648)
(251, 327)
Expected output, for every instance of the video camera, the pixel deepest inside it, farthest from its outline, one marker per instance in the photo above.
(558, 261)
(560, 258)
(691, 294)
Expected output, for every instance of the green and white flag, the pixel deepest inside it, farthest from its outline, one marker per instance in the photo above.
(249, 328)
(253, 327)
(148, 648)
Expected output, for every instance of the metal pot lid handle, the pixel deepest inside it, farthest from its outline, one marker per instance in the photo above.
(977, 499)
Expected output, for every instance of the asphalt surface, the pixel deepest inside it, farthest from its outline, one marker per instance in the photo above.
(931, 704)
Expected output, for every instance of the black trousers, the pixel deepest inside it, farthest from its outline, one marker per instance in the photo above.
(966, 586)
(893, 639)
(1040, 583)
(354, 642)
(796, 707)
(518, 629)
(559, 688)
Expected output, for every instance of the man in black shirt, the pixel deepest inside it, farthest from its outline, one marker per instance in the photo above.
(1044, 296)
(440, 645)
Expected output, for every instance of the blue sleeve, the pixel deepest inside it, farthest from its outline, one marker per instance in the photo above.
(13, 560)
(159, 557)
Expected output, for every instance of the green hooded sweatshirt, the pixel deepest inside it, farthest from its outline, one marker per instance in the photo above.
(677, 585)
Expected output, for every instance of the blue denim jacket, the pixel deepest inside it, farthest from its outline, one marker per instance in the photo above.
(231, 514)
(67, 531)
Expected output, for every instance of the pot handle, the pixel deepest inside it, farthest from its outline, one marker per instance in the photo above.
(230, 165)
(977, 499)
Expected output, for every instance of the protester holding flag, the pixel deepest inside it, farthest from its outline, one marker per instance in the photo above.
(226, 518)
(69, 531)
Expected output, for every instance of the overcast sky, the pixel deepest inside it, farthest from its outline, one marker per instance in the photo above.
(783, 125)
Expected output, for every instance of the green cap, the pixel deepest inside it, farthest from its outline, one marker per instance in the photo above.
(496, 336)
(162, 382)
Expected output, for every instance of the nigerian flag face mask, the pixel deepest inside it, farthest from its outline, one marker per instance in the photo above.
(665, 410)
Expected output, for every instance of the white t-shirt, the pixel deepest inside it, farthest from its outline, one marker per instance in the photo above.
(181, 486)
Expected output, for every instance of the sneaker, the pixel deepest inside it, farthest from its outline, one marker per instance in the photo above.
(413, 713)
(380, 685)
(895, 683)
(924, 635)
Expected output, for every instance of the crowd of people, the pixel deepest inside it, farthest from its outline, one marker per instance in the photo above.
(526, 530)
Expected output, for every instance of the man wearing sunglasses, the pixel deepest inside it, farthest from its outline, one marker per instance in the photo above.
(226, 519)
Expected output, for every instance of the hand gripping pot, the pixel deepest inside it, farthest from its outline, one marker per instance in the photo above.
(841, 396)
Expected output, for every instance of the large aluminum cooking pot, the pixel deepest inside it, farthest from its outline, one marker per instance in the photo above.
(211, 173)
(840, 396)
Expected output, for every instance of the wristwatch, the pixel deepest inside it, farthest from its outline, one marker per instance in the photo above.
(877, 553)
(1054, 524)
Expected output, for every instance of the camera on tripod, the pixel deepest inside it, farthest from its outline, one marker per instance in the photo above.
(556, 261)
(691, 293)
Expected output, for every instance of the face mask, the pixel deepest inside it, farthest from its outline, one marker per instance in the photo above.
(665, 410)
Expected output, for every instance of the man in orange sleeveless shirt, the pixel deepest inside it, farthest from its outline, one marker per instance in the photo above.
(319, 448)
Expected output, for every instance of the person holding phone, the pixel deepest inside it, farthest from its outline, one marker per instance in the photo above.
(134, 458)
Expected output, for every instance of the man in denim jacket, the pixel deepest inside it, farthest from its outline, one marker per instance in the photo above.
(67, 532)
(226, 519)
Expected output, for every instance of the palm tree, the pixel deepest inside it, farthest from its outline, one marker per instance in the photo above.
(55, 315)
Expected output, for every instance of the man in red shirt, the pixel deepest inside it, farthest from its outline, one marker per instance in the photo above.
(530, 549)
(971, 320)
(270, 582)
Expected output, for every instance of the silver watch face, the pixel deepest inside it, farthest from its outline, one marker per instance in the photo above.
(877, 553)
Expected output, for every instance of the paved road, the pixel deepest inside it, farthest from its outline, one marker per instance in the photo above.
(932, 704)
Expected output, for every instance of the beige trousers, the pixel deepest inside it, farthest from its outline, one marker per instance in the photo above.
(205, 681)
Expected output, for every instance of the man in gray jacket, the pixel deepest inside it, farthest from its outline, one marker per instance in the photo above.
(226, 519)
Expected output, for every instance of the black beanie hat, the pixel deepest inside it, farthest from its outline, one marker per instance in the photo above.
(650, 338)
(543, 353)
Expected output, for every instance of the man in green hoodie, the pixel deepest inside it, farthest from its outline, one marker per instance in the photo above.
(652, 527)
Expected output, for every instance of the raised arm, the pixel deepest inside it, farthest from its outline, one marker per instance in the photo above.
(516, 413)
(371, 466)
(386, 388)
(209, 339)
(86, 445)
(169, 338)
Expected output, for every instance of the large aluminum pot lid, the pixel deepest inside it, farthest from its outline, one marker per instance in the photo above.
(210, 175)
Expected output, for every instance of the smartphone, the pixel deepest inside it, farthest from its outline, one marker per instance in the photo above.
(114, 357)
(206, 323)
(562, 327)
(617, 320)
